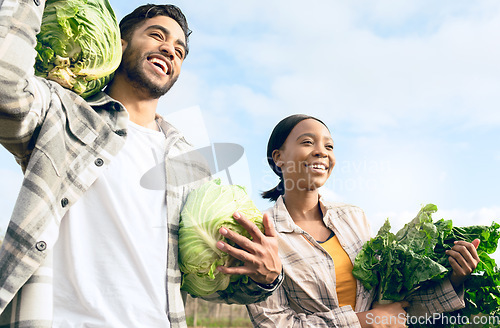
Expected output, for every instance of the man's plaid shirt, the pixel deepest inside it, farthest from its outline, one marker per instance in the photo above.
(63, 143)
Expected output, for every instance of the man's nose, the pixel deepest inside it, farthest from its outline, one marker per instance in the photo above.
(167, 49)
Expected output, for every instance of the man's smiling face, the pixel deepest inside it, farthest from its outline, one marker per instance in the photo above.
(153, 57)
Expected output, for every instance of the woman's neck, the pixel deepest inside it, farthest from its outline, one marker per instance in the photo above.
(303, 206)
(305, 211)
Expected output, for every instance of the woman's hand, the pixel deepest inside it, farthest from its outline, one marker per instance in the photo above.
(259, 255)
(463, 259)
(384, 316)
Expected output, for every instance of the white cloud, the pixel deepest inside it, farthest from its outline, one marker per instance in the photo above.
(319, 59)
(390, 172)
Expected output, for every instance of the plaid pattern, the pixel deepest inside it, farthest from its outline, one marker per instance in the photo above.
(307, 297)
(59, 140)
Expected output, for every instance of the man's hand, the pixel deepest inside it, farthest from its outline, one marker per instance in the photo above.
(259, 255)
(463, 259)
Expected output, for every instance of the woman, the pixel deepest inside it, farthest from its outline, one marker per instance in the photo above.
(319, 241)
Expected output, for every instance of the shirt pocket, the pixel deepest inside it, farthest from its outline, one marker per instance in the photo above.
(76, 123)
(62, 136)
(306, 285)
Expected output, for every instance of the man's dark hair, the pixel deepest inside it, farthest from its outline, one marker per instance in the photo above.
(133, 20)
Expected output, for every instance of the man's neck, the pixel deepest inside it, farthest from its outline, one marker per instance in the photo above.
(140, 107)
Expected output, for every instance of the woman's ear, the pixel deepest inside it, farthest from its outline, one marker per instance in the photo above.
(277, 158)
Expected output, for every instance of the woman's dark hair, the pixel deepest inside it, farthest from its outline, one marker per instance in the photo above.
(276, 141)
(133, 20)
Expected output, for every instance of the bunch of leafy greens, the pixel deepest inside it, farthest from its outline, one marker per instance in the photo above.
(206, 210)
(79, 44)
(399, 264)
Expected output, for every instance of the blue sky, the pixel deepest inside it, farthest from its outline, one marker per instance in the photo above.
(410, 91)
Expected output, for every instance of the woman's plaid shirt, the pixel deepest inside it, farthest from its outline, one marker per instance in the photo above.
(307, 297)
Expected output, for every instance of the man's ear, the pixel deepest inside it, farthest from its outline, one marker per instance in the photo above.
(277, 158)
(124, 45)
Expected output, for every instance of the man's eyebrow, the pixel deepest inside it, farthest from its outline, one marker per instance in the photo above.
(166, 32)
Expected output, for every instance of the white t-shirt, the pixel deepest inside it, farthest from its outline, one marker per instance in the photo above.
(110, 259)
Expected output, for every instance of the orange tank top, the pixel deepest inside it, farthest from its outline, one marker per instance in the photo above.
(345, 281)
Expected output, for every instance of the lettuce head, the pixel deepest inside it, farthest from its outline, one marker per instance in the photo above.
(206, 210)
(79, 44)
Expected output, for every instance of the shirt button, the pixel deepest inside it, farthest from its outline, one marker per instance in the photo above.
(37, 2)
(41, 246)
(99, 162)
(121, 133)
(64, 202)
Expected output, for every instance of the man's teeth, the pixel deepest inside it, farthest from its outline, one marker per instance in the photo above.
(160, 63)
(318, 166)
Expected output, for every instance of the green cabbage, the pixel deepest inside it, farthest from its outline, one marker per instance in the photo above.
(79, 44)
(206, 210)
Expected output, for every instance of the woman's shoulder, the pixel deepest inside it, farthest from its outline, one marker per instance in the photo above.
(277, 207)
(348, 215)
(280, 216)
(331, 205)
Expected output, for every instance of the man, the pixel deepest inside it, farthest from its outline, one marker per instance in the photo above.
(85, 214)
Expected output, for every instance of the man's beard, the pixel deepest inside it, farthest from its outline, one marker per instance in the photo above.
(131, 65)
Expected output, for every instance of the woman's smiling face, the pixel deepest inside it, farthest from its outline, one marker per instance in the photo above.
(306, 158)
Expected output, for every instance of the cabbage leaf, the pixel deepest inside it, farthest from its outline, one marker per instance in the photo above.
(79, 44)
(206, 210)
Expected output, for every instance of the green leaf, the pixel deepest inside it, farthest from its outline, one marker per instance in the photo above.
(415, 257)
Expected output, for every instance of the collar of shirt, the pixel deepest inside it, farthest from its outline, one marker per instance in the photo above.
(283, 220)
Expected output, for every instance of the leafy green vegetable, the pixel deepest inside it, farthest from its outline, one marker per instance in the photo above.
(482, 288)
(399, 264)
(79, 44)
(207, 209)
